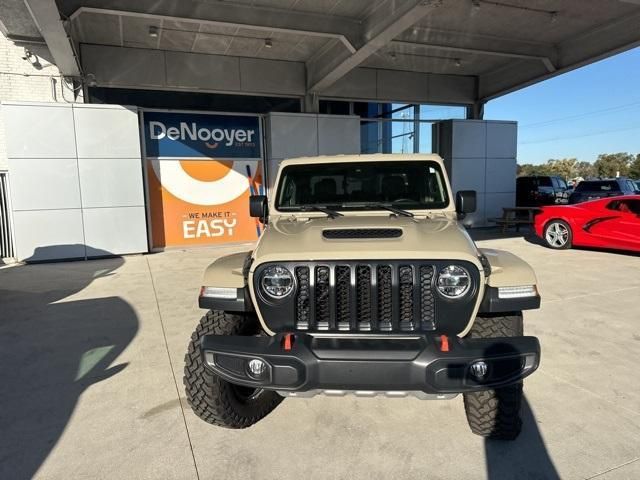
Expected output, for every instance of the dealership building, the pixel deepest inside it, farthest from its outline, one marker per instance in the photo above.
(129, 127)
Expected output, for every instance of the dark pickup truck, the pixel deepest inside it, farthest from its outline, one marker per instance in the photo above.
(594, 189)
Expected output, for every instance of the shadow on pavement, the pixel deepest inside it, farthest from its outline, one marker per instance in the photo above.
(525, 457)
(53, 348)
(495, 233)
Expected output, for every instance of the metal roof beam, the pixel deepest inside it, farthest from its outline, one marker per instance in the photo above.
(479, 51)
(383, 25)
(47, 18)
(242, 16)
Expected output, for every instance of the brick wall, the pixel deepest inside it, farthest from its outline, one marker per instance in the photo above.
(20, 80)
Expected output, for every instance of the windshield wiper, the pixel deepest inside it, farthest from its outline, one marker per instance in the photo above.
(320, 208)
(383, 206)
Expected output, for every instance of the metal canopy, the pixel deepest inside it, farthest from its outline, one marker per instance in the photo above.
(485, 47)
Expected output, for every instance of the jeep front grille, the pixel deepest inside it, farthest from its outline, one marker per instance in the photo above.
(371, 297)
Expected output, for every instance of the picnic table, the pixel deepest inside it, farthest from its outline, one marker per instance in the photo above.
(516, 216)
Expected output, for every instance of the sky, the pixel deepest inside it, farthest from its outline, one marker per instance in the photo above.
(580, 114)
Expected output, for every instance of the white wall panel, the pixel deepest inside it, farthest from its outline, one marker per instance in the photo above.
(48, 234)
(469, 139)
(106, 132)
(292, 135)
(62, 204)
(502, 139)
(115, 230)
(44, 184)
(111, 182)
(465, 145)
(501, 175)
(39, 131)
(338, 135)
(468, 174)
(496, 201)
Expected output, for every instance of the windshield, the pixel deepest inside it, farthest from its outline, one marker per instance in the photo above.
(416, 185)
(602, 186)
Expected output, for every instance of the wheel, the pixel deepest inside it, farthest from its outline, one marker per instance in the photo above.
(213, 399)
(495, 413)
(558, 235)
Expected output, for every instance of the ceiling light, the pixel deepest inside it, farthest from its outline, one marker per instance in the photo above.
(458, 62)
(393, 56)
(475, 4)
(268, 43)
(553, 17)
(153, 31)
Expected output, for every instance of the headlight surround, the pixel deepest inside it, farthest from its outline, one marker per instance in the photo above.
(276, 281)
(453, 281)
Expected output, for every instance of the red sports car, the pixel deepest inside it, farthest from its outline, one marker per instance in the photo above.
(612, 222)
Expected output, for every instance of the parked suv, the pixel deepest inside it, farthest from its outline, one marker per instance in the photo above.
(594, 189)
(539, 190)
(363, 282)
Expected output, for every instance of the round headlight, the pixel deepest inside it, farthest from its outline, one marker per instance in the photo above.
(277, 281)
(453, 281)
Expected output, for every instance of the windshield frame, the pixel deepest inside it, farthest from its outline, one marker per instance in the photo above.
(444, 206)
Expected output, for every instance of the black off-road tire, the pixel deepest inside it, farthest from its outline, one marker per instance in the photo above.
(496, 413)
(213, 399)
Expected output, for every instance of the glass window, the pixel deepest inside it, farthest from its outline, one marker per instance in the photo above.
(442, 112)
(361, 185)
(625, 206)
(598, 186)
(544, 181)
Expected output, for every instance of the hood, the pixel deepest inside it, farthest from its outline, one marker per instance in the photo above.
(288, 238)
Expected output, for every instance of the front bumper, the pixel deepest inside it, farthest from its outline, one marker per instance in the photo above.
(309, 362)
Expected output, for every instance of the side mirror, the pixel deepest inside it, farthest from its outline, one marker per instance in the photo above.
(465, 201)
(258, 207)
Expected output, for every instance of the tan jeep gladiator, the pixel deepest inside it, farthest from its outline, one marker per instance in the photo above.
(363, 282)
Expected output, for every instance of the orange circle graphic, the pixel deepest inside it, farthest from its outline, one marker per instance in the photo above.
(206, 170)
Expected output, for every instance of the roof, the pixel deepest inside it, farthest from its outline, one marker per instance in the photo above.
(375, 157)
(417, 51)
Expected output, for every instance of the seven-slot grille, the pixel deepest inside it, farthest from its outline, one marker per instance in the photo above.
(365, 297)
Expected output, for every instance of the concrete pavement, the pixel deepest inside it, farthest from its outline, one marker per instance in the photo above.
(91, 360)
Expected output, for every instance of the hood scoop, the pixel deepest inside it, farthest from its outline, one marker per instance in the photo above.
(366, 233)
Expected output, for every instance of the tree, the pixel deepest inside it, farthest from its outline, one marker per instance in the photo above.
(613, 164)
(634, 168)
(565, 168)
(585, 170)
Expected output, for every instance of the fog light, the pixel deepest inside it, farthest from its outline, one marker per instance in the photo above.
(479, 369)
(257, 368)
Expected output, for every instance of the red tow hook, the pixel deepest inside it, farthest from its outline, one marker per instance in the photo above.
(287, 341)
(444, 343)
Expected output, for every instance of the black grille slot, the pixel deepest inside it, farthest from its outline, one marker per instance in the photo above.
(343, 296)
(385, 300)
(406, 298)
(323, 308)
(345, 233)
(427, 301)
(363, 293)
(303, 299)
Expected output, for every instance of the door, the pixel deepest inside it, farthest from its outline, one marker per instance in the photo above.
(621, 229)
